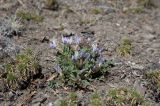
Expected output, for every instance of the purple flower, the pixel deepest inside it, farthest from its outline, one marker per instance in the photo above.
(70, 40)
(100, 61)
(53, 44)
(100, 50)
(77, 40)
(67, 40)
(64, 40)
(94, 47)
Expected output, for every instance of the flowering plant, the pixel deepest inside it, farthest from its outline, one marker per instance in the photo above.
(78, 63)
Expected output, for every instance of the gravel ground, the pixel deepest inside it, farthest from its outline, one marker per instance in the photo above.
(113, 22)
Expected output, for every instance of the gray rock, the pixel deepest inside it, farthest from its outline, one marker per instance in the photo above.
(148, 36)
(148, 28)
(50, 104)
(37, 104)
(39, 99)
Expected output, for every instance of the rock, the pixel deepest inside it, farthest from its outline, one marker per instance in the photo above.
(50, 104)
(148, 36)
(156, 45)
(41, 100)
(106, 9)
(148, 28)
(37, 104)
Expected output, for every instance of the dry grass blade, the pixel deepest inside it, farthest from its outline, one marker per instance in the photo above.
(52, 77)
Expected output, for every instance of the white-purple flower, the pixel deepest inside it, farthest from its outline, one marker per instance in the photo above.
(53, 44)
(94, 47)
(77, 39)
(100, 50)
(67, 40)
(70, 40)
(100, 61)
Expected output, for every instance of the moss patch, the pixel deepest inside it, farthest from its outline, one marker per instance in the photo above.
(125, 47)
(124, 97)
(22, 70)
(155, 78)
(29, 16)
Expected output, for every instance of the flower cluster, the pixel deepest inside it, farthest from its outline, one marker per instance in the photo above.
(71, 40)
(77, 66)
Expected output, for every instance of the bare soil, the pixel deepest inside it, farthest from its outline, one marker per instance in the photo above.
(108, 27)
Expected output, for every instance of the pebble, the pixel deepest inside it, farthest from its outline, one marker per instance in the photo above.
(37, 104)
(50, 104)
(148, 28)
(148, 36)
(39, 100)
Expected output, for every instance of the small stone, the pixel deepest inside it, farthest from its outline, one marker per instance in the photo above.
(37, 104)
(109, 10)
(148, 28)
(50, 104)
(117, 24)
(39, 100)
(148, 36)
